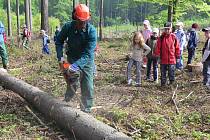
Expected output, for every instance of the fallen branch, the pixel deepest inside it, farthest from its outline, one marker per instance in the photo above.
(186, 96)
(174, 99)
(32, 113)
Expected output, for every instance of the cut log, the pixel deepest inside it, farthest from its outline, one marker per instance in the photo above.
(84, 126)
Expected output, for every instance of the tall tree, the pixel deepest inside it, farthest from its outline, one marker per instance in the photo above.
(170, 10)
(30, 15)
(101, 20)
(26, 3)
(44, 15)
(18, 22)
(9, 19)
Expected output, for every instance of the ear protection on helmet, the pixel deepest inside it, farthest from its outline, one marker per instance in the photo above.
(73, 14)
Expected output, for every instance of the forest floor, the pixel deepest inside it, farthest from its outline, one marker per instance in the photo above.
(145, 112)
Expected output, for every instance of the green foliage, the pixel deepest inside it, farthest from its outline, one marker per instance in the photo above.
(118, 115)
(200, 135)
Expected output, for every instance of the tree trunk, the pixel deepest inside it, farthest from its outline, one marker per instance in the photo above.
(9, 19)
(75, 2)
(101, 20)
(175, 3)
(170, 10)
(44, 15)
(27, 13)
(18, 22)
(30, 16)
(84, 126)
(87, 2)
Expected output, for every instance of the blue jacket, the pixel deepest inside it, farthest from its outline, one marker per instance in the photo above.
(45, 38)
(81, 44)
(2, 30)
(180, 34)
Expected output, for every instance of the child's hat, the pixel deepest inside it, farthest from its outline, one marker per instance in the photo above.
(168, 25)
(146, 22)
(206, 29)
(155, 30)
(179, 24)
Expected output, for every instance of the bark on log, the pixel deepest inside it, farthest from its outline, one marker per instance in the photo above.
(84, 126)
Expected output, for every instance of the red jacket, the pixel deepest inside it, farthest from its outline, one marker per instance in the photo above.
(167, 49)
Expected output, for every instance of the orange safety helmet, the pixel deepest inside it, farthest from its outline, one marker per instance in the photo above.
(82, 12)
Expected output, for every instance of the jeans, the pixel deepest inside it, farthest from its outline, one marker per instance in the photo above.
(153, 61)
(138, 70)
(171, 73)
(45, 49)
(206, 72)
(191, 55)
(179, 65)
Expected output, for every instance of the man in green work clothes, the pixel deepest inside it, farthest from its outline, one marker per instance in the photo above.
(3, 50)
(81, 38)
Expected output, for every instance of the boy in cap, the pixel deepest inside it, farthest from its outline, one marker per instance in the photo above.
(151, 58)
(206, 58)
(168, 50)
(182, 42)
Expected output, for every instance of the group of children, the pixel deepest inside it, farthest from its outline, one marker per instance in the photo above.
(166, 49)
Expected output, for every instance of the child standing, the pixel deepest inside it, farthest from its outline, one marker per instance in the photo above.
(182, 42)
(138, 50)
(25, 37)
(147, 32)
(151, 58)
(192, 43)
(206, 58)
(168, 50)
(45, 42)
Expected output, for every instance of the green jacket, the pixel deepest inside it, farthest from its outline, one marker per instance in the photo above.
(81, 43)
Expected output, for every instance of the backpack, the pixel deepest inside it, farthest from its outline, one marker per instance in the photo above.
(192, 40)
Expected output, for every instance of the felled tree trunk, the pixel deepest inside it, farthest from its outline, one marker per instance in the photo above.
(84, 126)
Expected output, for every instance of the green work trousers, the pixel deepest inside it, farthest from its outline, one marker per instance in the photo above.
(4, 55)
(84, 79)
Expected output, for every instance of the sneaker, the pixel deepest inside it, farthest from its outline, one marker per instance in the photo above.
(138, 84)
(156, 81)
(130, 82)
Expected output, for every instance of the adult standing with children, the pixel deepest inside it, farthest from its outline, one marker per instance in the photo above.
(206, 58)
(81, 44)
(3, 50)
(168, 50)
(180, 34)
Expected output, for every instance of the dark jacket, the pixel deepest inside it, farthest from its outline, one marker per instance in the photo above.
(151, 42)
(81, 44)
